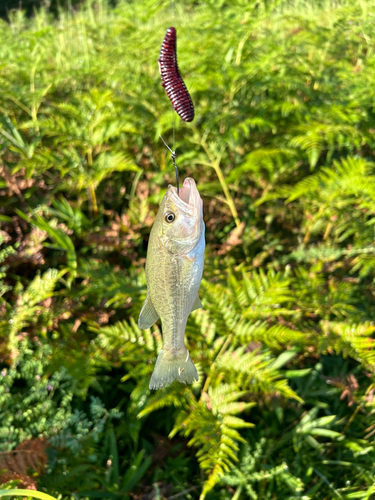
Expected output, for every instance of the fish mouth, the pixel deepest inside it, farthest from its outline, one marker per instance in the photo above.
(189, 195)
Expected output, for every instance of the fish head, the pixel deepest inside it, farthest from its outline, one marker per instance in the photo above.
(180, 218)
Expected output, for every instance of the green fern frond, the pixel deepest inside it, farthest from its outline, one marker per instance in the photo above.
(276, 336)
(253, 372)
(321, 136)
(269, 160)
(174, 395)
(123, 332)
(135, 349)
(247, 473)
(257, 296)
(349, 340)
(28, 303)
(213, 427)
(350, 175)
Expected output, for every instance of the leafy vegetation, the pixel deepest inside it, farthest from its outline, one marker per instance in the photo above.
(282, 150)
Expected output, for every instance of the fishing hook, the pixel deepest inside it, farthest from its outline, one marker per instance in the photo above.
(173, 156)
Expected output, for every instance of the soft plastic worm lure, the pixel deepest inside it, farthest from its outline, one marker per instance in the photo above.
(171, 78)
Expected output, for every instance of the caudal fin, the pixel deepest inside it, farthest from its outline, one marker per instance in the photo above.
(172, 366)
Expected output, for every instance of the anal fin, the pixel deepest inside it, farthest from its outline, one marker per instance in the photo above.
(197, 304)
(148, 316)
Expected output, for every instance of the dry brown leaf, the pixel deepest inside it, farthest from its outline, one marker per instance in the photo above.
(29, 456)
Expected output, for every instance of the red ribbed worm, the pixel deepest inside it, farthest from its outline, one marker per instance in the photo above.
(171, 78)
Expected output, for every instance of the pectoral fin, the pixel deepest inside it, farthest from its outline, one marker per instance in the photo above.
(148, 315)
(197, 304)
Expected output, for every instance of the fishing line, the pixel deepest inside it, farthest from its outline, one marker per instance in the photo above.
(173, 156)
(173, 9)
(173, 128)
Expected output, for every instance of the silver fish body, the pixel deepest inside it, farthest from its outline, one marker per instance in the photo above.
(174, 268)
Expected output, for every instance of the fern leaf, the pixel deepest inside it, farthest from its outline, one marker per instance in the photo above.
(40, 289)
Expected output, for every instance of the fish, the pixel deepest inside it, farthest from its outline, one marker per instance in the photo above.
(174, 268)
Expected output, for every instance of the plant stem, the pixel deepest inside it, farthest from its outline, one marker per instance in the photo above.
(93, 199)
(91, 186)
(222, 350)
(215, 163)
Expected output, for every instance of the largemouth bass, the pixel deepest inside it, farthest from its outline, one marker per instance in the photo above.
(174, 267)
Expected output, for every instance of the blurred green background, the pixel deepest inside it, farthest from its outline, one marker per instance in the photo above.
(282, 151)
(29, 7)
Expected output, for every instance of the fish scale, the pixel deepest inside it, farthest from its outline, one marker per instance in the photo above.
(173, 328)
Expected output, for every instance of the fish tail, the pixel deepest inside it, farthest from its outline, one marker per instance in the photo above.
(173, 365)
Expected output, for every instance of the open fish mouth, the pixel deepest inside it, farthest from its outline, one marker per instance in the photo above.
(189, 195)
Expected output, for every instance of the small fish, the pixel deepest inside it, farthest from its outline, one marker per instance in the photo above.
(174, 267)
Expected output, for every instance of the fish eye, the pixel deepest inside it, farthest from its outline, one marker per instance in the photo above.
(169, 217)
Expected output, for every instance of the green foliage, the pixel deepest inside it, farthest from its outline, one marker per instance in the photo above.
(36, 405)
(20, 492)
(282, 152)
(245, 475)
(213, 424)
